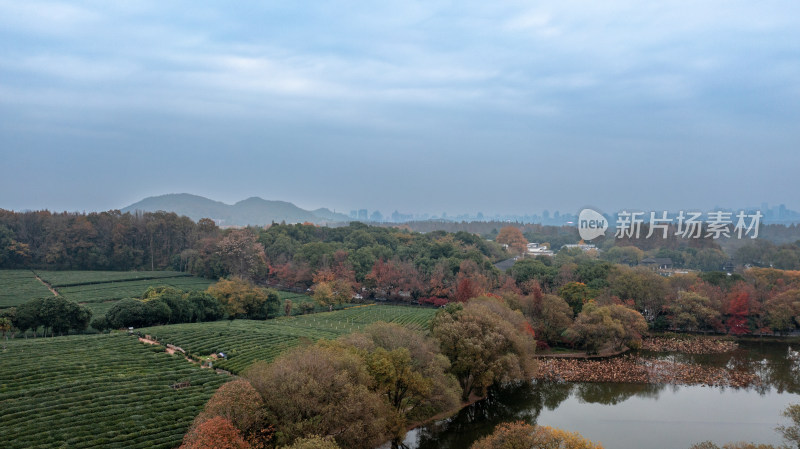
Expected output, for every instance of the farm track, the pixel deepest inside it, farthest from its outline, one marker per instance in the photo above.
(20, 286)
(49, 287)
(248, 341)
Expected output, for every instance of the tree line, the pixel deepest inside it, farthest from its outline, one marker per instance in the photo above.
(229, 298)
(54, 314)
(757, 301)
(100, 241)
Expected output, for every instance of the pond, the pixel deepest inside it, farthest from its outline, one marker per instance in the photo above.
(640, 416)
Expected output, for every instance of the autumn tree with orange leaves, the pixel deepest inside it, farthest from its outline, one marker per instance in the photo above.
(470, 283)
(330, 290)
(525, 436)
(239, 403)
(512, 236)
(216, 433)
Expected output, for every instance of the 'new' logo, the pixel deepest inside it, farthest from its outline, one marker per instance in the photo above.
(591, 224)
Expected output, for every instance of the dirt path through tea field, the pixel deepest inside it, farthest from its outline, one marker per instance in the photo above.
(49, 287)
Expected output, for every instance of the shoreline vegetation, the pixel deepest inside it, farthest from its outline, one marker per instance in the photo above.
(445, 414)
(620, 366)
(682, 344)
(582, 354)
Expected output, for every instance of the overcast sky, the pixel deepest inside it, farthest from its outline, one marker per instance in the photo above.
(492, 106)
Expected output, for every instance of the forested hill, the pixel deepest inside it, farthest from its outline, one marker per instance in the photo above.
(288, 254)
(252, 211)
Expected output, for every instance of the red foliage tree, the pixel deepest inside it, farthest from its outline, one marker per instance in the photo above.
(508, 285)
(528, 329)
(395, 279)
(342, 267)
(435, 300)
(738, 311)
(216, 433)
(238, 402)
(466, 289)
(470, 282)
(291, 274)
(441, 282)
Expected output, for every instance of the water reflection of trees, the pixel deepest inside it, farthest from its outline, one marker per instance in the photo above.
(522, 402)
(608, 393)
(776, 364)
(782, 371)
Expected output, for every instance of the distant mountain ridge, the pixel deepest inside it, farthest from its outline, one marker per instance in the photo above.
(252, 211)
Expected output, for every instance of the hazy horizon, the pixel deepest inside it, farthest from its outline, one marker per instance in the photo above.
(450, 215)
(425, 107)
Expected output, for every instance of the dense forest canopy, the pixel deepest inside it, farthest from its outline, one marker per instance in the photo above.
(359, 262)
(163, 240)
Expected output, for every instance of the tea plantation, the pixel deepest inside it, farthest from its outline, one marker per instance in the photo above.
(101, 390)
(245, 341)
(19, 286)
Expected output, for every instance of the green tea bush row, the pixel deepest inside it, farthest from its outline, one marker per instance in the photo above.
(73, 278)
(97, 391)
(20, 286)
(129, 289)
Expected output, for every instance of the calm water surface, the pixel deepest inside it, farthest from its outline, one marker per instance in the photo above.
(636, 416)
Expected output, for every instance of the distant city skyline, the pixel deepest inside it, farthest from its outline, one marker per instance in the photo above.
(424, 107)
(775, 214)
(772, 213)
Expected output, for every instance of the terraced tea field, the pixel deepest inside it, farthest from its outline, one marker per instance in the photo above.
(19, 286)
(113, 391)
(72, 278)
(246, 341)
(89, 293)
(97, 290)
(101, 390)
